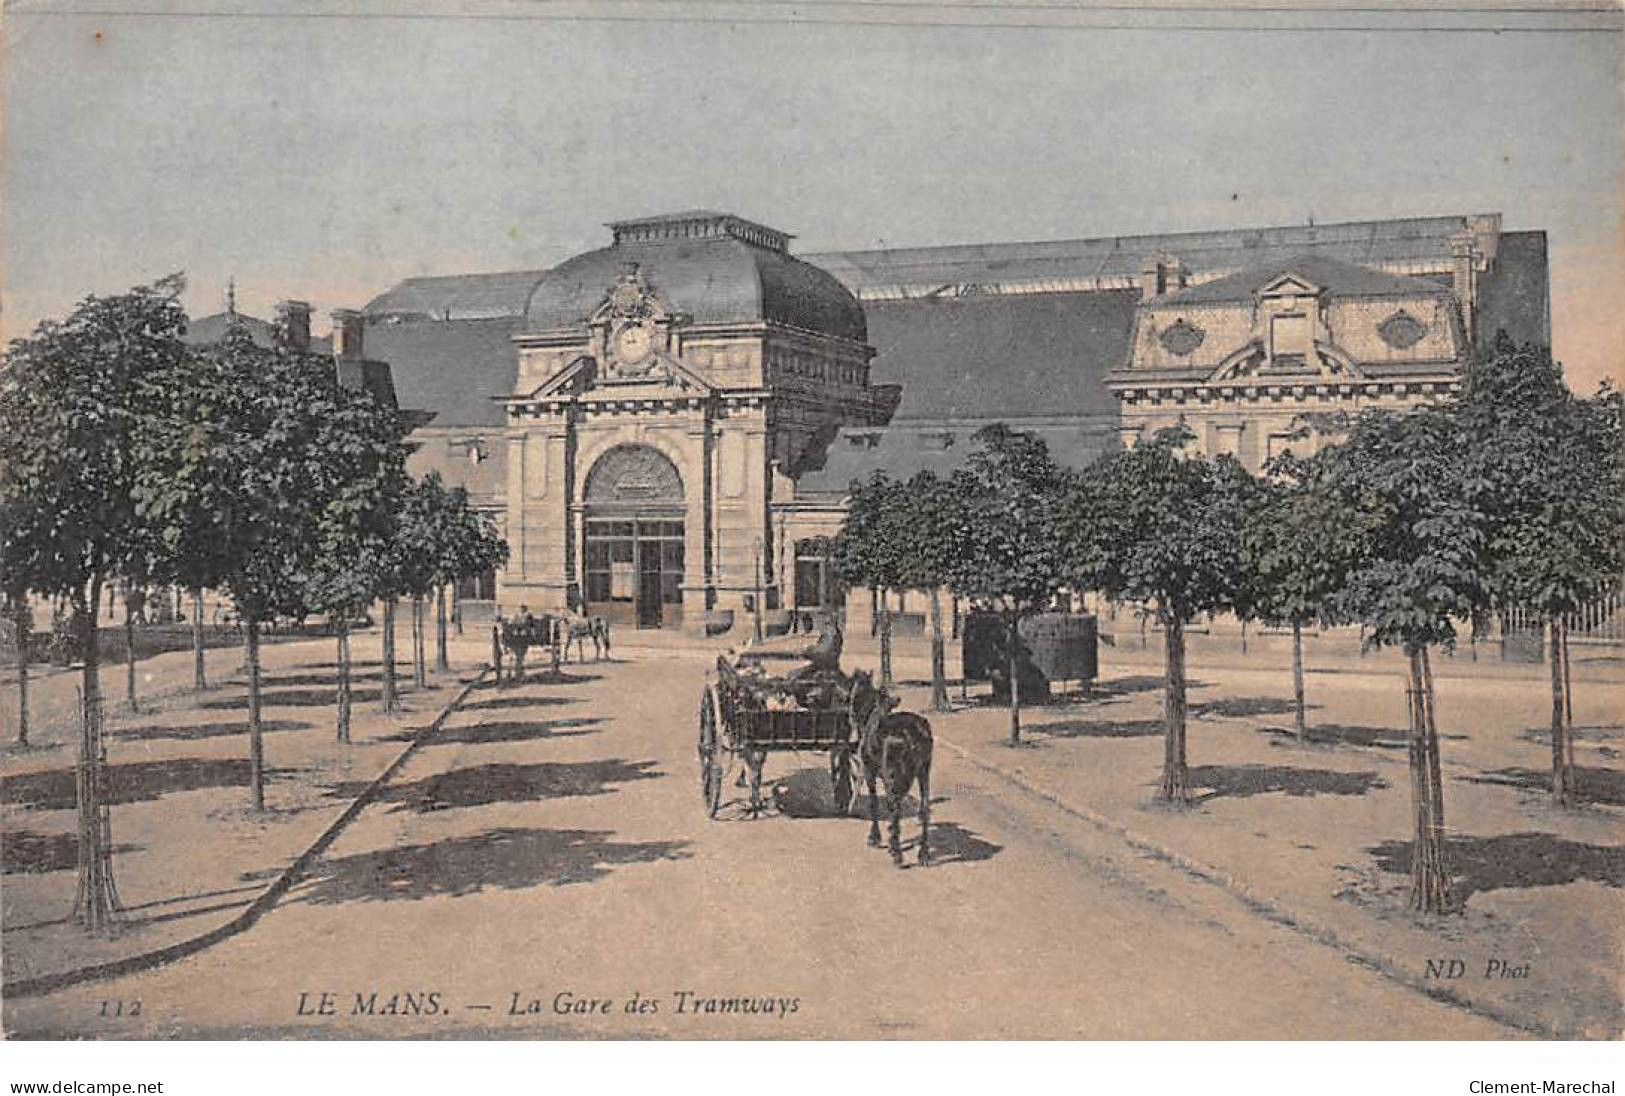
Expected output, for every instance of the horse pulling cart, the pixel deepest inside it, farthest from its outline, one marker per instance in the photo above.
(744, 716)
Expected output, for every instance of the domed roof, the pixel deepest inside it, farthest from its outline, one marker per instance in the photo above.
(712, 267)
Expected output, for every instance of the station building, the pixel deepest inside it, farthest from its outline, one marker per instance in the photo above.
(665, 428)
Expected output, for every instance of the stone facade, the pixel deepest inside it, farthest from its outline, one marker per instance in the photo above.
(647, 448)
(1283, 357)
(694, 399)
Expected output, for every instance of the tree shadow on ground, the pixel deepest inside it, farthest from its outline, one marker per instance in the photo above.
(1513, 860)
(300, 698)
(1246, 707)
(1594, 732)
(28, 851)
(1605, 786)
(132, 782)
(1337, 734)
(543, 676)
(197, 732)
(481, 785)
(326, 681)
(491, 733)
(508, 859)
(1139, 683)
(1095, 728)
(506, 703)
(1242, 781)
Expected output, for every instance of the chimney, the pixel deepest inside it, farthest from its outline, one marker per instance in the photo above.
(1153, 278)
(347, 328)
(1177, 276)
(293, 321)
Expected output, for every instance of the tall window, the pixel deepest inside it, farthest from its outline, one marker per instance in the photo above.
(816, 584)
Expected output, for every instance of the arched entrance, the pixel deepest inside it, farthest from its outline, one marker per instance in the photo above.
(633, 534)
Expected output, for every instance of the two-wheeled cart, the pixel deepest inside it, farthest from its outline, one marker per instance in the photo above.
(744, 717)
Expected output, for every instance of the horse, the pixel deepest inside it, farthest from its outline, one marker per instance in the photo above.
(577, 628)
(519, 634)
(894, 747)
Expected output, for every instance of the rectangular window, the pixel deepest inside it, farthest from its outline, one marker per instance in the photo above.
(1289, 339)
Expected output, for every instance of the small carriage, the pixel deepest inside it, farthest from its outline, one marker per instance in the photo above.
(516, 635)
(745, 715)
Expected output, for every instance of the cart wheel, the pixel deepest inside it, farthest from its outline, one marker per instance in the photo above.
(711, 767)
(840, 775)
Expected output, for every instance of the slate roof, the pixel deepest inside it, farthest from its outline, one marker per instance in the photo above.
(996, 356)
(909, 272)
(456, 296)
(1339, 278)
(903, 449)
(717, 280)
(451, 368)
(213, 328)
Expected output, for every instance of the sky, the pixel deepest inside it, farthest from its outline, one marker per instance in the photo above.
(326, 156)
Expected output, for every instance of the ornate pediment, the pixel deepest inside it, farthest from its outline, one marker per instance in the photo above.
(1289, 285)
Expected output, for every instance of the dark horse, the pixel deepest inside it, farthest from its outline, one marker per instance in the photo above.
(519, 634)
(894, 747)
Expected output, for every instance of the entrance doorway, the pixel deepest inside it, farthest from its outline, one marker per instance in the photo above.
(635, 568)
(632, 555)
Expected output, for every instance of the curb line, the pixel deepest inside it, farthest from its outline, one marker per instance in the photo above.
(50, 983)
(1265, 908)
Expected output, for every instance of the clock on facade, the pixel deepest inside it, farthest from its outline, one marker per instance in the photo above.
(633, 344)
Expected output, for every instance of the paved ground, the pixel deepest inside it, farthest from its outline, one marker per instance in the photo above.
(552, 843)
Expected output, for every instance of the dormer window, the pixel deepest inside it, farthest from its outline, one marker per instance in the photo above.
(1289, 340)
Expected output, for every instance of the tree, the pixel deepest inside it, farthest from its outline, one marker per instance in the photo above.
(1005, 536)
(1156, 526)
(237, 481)
(1414, 540)
(468, 546)
(74, 397)
(365, 481)
(873, 548)
(936, 518)
(420, 548)
(1290, 568)
(21, 614)
(1550, 468)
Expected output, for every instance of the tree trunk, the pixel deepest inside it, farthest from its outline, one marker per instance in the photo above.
(1297, 681)
(1430, 879)
(457, 607)
(392, 701)
(442, 664)
(342, 627)
(1562, 791)
(24, 627)
(95, 903)
(1244, 636)
(419, 674)
(939, 657)
(199, 680)
(1175, 773)
(1568, 691)
(885, 643)
(1012, 645)
(129, 651)
(256, 736)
